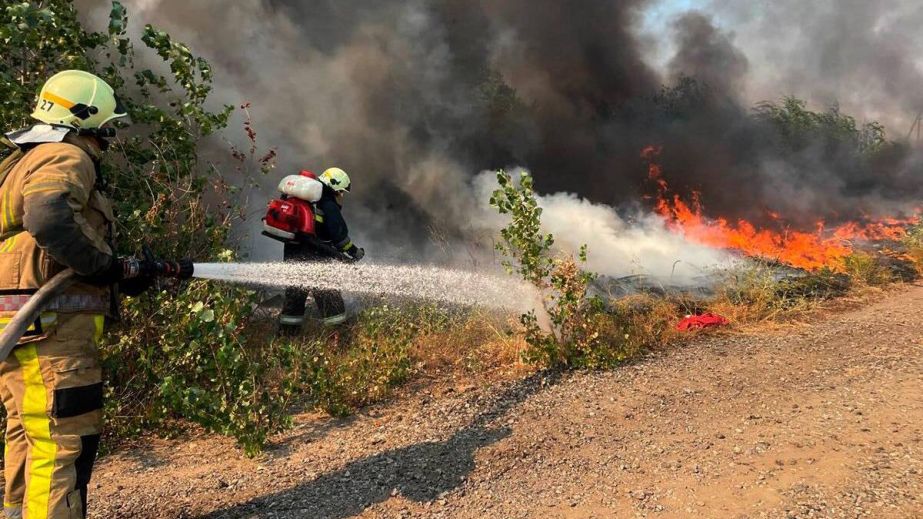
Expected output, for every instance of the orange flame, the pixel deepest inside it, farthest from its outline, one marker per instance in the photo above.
(806, 250)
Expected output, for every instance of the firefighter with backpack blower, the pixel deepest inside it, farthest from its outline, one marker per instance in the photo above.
(308, 219)
(56, 232)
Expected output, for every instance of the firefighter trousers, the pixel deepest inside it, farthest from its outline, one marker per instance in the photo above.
(53, 393)
(329, 303)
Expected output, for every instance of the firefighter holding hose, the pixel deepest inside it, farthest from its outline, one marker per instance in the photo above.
(327, 239)
(54, 216)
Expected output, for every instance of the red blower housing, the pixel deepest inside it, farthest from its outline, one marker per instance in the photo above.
(288, 218)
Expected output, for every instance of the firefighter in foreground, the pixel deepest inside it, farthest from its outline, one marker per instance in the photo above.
(323, 237)
(53, 215)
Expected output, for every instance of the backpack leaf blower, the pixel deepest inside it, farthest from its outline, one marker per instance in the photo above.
(290, 218)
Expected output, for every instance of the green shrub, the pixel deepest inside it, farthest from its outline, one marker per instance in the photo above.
(575, 333)
(800, 127)
(205, 366)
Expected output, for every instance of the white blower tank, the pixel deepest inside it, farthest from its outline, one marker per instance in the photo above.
(302, 188)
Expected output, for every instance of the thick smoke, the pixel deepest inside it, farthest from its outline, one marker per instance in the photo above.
(707, 54)
(853, 56)
(863, 55)
(415, 97)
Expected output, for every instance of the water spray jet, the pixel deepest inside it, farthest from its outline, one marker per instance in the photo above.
(411, 281)
(415, 282)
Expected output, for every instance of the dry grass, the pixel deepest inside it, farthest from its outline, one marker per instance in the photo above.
(389, 348)
(480, 344)
(755, 294)
(646, 321)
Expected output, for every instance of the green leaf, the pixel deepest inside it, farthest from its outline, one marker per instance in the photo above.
(117, 19)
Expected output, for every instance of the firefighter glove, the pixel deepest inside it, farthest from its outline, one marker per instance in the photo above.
(121, 269)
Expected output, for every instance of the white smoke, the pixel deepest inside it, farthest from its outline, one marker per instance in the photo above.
(618, 247)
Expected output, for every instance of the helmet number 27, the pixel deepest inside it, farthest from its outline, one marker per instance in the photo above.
(46, 105)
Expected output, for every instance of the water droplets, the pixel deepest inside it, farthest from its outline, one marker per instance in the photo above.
(411, 281)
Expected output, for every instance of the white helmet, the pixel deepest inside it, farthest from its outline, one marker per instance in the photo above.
(77, 99)
(336, 178)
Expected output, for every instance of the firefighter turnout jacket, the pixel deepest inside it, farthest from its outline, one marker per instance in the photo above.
(52, 216)
(331, 226)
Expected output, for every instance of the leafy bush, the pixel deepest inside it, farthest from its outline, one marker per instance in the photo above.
(37, 39)
(180, 351)
(801, 128)
(206, 366)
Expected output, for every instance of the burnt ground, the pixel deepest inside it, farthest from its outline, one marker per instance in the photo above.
(818, 419)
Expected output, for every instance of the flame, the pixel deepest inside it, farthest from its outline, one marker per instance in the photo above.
(807, 250)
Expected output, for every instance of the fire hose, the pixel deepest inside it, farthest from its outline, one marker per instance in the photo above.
(27, 315)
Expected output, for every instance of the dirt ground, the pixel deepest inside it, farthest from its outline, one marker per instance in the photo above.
(819, 419)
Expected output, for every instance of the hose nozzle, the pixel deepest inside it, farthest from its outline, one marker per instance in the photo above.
(181, 269)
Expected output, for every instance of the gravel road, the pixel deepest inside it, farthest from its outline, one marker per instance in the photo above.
(823, 419)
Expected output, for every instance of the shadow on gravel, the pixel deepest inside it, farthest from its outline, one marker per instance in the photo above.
(420, 472)
(307, 434)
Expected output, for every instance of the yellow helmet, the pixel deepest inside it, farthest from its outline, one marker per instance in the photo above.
(336, 178)
(77, 99)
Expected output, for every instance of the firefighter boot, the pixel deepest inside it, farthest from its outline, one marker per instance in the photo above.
(291, 318)
(331, 307)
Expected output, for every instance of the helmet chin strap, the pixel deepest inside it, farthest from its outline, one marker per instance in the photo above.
(101, 134)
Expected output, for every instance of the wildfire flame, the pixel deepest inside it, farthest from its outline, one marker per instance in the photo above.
(807, 250)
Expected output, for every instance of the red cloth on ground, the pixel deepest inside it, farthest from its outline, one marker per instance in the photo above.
(698, 322)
